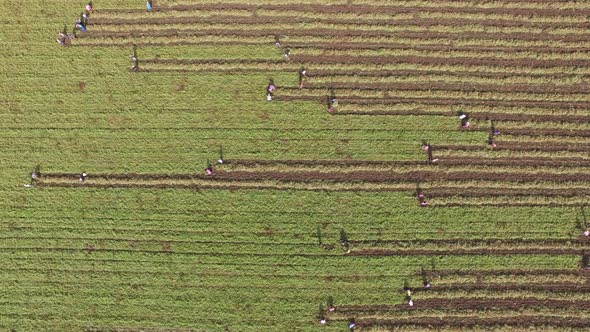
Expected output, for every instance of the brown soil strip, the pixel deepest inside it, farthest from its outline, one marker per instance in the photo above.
(367, 9)
(506, 205)
(426, 35)
(493, 242)
(467, 304)
(463, 251)
(447, 161)
(503, 192)
(546, 132)
(511, 272)
(356, 176)
(470, 321)
(439, 47)
(563, 287)
(458, 61)
(283, 19)
(519, 146)
(417, 72)
(443, 86)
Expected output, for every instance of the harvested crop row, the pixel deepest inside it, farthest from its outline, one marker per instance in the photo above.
(469, 61)
(368, 9)
(319, 32)
(511, 272)
(290, 19)
(546, 132)
(444, 86)
(347, 46)
(458, 73)
(565, 287)
(463, 251)
(463, 204)
(470, 322)
(493, 242)
(515, 146)
(492, 192)
(465, 304)
(449, 161)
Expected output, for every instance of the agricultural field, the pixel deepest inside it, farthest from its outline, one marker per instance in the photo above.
(327, 207)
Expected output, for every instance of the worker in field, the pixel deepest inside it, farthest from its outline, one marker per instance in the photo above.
(220, 160)
(425, 279)
(330, 104)
(36, 174)
(351, 324)
(493, 129)
(322, 315)
(149, 5)
(61, 40)
(278, 41)
(332, 101)
(428, 148)
(422, 200)
(410, 301)
(81, 23)
(464, 118)
(587, 232)
(83, 177)
(302, 76)
(85, 17)
(134, 59)
(135, 66)
(287, 54)
(270, 89)
(420, 196)
(407, 288)
(89, 7)
(330, 302)
(491, 141)
(209, 169)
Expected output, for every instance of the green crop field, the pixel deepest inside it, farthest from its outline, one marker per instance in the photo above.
(319, 196)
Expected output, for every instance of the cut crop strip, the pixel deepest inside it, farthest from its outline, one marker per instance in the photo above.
(290, 19)
(322, 32)
(448, 161)
(515, 146)
(444, 86)
(465, 304)
(537, 9)
(475, 251)
(470, 322)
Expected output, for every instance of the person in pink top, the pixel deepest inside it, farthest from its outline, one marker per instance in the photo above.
(209, 169)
